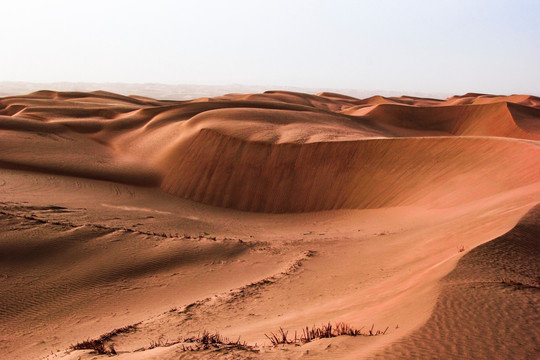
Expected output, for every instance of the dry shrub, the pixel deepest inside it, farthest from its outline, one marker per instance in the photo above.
(98, 345)
(320, 332)
(209, 340)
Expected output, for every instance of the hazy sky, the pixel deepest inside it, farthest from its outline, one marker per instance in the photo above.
(424, 46)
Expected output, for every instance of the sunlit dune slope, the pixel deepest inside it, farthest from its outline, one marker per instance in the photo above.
(490, 298)
(281, 151)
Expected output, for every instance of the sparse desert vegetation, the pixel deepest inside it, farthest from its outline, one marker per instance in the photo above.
(320, 332)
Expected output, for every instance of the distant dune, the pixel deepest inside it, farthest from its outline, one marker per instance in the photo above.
(247, 213)
(281, 151)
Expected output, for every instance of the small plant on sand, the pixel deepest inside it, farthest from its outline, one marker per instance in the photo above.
(281, 338)
(161, 342)
(461, 248)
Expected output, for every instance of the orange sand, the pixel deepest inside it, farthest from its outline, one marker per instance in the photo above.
(245, 213)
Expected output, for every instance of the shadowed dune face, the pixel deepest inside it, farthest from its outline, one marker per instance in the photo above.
(256, 176)
(281, 151)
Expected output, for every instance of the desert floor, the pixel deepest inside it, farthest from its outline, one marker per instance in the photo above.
(143, 223)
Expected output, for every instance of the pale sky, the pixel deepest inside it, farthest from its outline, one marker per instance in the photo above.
(489, 46)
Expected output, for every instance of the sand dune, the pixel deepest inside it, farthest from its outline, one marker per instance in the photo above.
(244, 213)
(277, 151)
(224, 171)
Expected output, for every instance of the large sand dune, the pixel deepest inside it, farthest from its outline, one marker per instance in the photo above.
(262, 211)
(278, 151)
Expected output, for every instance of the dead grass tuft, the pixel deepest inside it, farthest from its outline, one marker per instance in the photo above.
(320, 332)
(98, 345)
(213, 341)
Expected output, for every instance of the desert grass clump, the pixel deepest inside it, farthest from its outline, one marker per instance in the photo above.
(281, 338)
(213, 341)
(321, 332)
(160, 342)
(98, 345)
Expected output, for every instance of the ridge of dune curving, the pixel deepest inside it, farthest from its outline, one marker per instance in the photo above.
(256, 176)
(496, 119)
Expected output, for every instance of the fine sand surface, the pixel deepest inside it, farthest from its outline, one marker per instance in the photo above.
(246, 213)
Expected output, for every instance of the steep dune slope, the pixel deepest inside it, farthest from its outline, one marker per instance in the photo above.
(256, 176)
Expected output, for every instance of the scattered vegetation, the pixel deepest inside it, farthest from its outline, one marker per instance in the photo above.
(323, 331)
(96, 345)
(215, 341)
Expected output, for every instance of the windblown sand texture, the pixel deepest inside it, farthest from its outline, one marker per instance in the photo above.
(246, 213)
